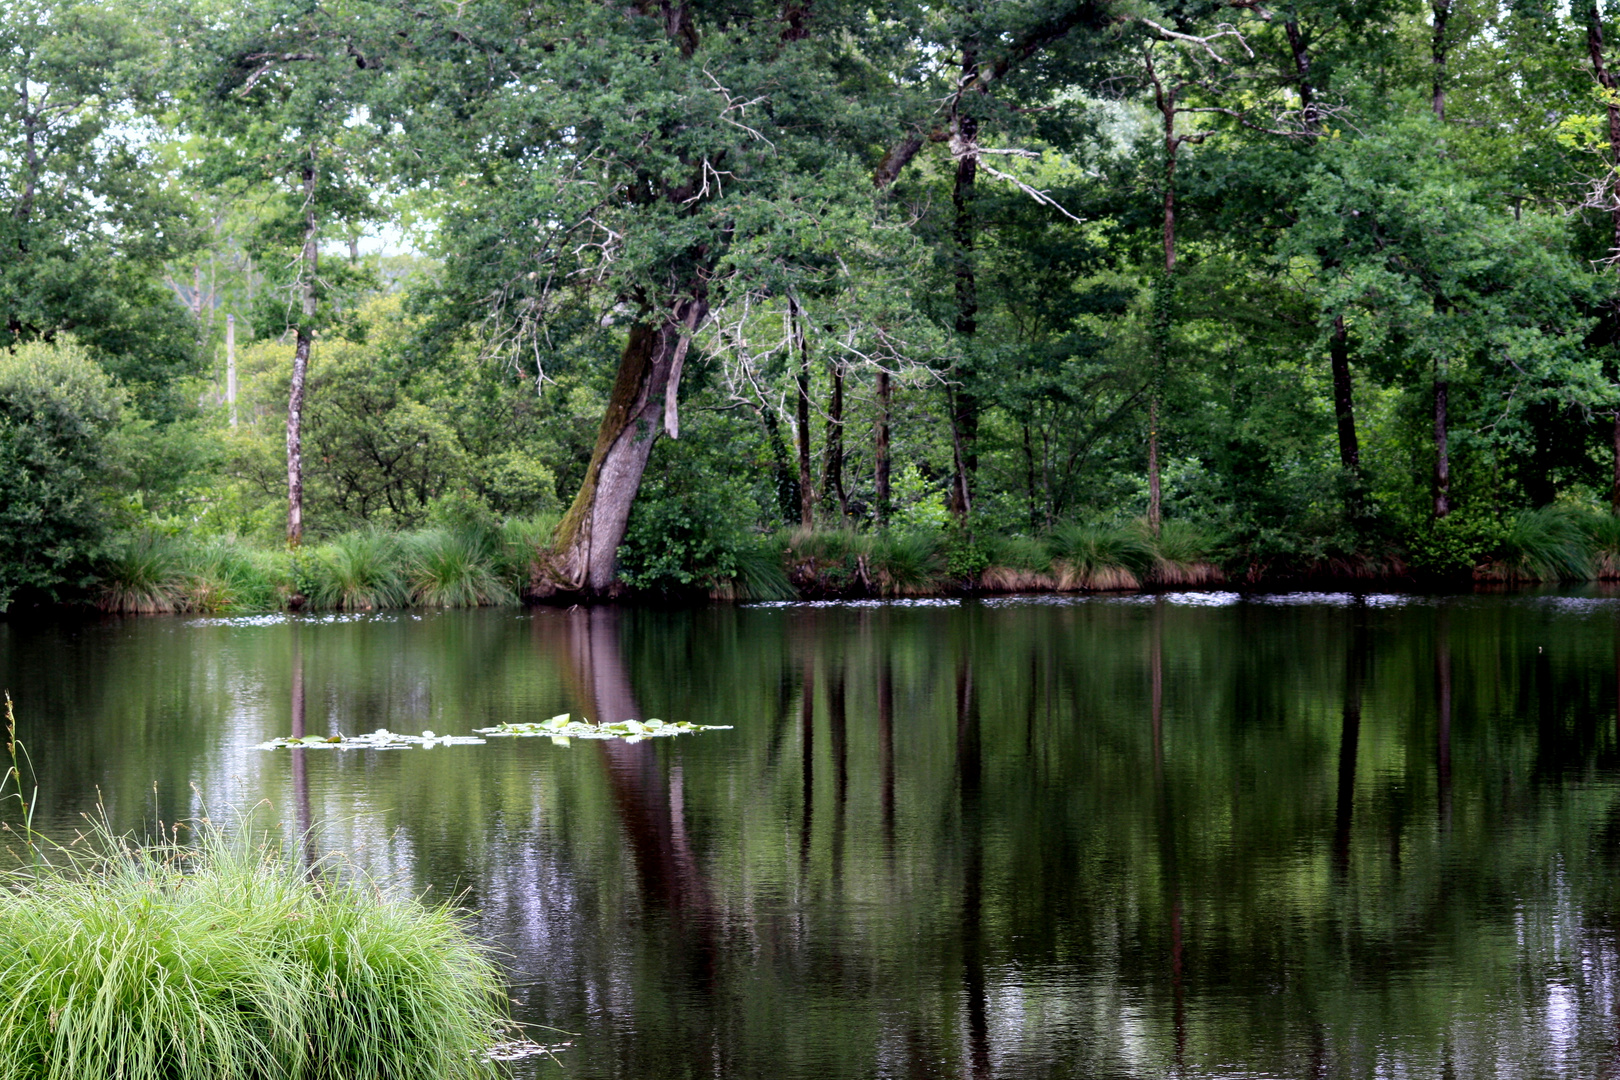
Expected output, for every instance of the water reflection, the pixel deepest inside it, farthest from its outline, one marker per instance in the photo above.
(1140, 838)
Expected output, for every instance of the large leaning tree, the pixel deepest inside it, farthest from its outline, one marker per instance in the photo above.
(644, 161)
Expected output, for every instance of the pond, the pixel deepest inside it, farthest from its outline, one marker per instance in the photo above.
(1201, 835)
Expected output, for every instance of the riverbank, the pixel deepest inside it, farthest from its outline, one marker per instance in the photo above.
(500, 564)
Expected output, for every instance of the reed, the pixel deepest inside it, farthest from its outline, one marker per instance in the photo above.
(223, 960)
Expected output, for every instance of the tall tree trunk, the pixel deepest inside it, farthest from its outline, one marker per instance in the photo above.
(1614, 486)
(301, 346)
(1164, 97)
(1606, 78)
(807, 483)
(641, 407)
(964, 403)
(832, 466)
(787, 483)
(1344, 412)
(1442, 448)
(880, 451)
(1299, 48)
(1029, 477)
(1437, 56)
(1343, 402)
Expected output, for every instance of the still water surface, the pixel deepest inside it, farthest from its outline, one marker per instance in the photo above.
(1195, 835)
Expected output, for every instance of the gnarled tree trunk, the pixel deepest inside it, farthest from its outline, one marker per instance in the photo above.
(584, 556)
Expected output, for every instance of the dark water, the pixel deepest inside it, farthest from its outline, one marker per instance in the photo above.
(1181, 836)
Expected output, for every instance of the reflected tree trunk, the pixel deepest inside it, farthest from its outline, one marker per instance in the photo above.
(838, 734)
(300, 775)
(969, 771)
(1442, 671)
(807, 750)
(1349, 742)
(886, 748)
(650, 801)
(1167, 834)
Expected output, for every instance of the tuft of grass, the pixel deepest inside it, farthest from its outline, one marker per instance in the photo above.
(360, 571)
(908, 562)
(1100, 557)
(224, 577)
(225, 961)
(144, 576)
(829, 545)
(1016, 564)
(1183, 555)
(1604, 533)
(456, 568)
(760, 575)
(1553, 543)
(1018, 553)
(520, 543)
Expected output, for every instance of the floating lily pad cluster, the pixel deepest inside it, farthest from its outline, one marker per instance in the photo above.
(381, 739)
(562, 728)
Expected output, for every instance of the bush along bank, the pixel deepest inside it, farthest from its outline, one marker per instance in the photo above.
(490, 565)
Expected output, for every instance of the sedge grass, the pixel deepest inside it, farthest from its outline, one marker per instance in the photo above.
(223, 960)
(1095, 556)
(360, 571)
(456, 567)
(143, 577)
(224, 577)
(1553, 543)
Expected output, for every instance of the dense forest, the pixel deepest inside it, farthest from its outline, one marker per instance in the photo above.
(366, 302)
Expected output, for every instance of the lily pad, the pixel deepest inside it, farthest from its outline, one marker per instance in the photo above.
(381, 739)
(563, 728)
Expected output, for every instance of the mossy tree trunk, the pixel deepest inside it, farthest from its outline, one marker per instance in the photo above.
(584, 556)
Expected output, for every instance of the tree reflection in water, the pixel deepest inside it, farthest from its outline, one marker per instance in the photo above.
(1132, 837)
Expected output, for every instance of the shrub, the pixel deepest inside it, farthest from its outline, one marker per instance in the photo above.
(1456, 543)
(225, 961)
(56, 410)
(687, 530)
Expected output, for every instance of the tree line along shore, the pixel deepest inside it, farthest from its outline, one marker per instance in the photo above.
(351, 305)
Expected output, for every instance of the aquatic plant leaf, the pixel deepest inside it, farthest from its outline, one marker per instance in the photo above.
(381, 739)
(561, 729)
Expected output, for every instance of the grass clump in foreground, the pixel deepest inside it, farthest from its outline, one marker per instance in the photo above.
(224, 961)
